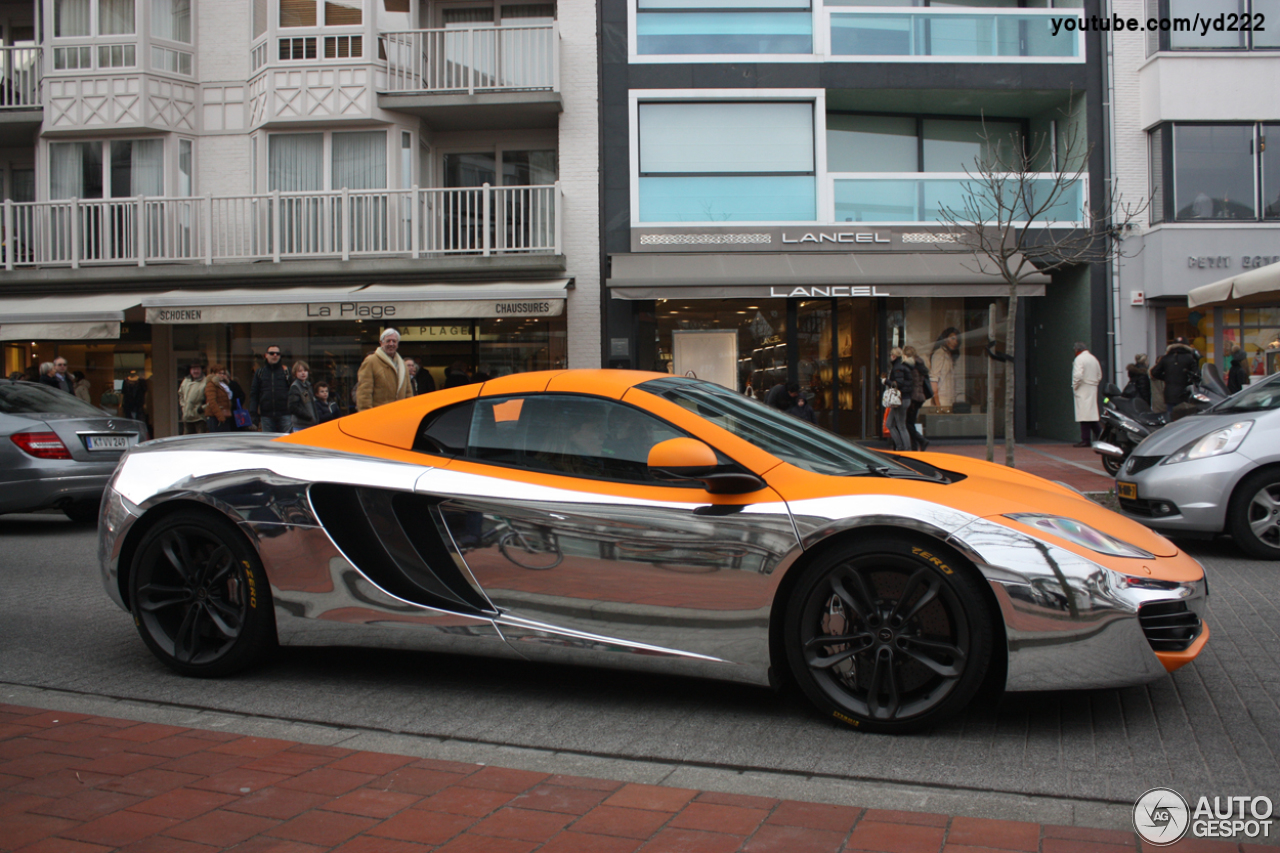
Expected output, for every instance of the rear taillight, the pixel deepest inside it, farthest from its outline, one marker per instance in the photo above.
(42, 445)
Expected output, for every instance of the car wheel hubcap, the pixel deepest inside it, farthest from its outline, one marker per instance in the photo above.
(884, 637)
(1264, 515)
(189, 596)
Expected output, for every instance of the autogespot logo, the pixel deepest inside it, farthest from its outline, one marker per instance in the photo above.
(1161, 816)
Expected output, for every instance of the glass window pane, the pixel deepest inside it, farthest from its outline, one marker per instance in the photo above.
(75, 170)
(1213, 172)
(877, 201)
(1270, 11)
(259, 17)
(171, 19)
(726, 4)
(873, 35)
(470, 170)
(953, 146)
(295, 161)
(871, 144)
(184, 167)
(1205, 9)
(137, 168)
(298, 13)
(728, 199)
(71, 18)
(724, 32)
(115, 17)
(343, 13)
(359, 160)
(528, 168)
(726, 137)
(1271, 172)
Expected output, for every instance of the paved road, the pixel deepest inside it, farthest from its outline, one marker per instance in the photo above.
(1213, 728)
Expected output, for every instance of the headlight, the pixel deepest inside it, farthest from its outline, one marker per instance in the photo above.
(1216, 443)
(1081, 534)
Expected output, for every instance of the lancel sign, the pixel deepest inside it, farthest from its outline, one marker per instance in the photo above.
(849, 237)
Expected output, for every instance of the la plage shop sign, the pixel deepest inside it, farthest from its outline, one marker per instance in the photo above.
(378, 311)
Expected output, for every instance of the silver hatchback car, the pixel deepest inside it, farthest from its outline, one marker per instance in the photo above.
(1217, 472)
(57, 450)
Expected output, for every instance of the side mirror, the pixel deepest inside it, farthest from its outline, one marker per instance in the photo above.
(690, 459)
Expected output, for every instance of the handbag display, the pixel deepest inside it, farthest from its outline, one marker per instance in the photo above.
(891, 398)
(242, 418)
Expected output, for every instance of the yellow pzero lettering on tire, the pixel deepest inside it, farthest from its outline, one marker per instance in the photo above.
(920, 552)
(253, 587)
(842, 718)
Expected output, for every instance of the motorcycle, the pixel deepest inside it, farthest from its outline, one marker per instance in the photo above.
(1126, 421)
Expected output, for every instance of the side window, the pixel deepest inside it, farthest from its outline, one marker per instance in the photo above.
(444, 432)
(564, 434)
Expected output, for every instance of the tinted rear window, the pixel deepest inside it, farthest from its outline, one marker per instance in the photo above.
(27, 398)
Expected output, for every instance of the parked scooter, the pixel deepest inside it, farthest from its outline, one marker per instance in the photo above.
(1126, 421)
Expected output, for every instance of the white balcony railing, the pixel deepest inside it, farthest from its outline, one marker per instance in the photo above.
(472, 59)
(20, 83)
(278, 226)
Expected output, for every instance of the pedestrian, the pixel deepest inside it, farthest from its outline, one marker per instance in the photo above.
(238, 398)
(302, 402)
(782, 396)
(802, 410)
(383, 377)
(1178, 369)
(46, 375)
(62, 380)
(1238, 374)
(420, 381)
(920, 391)
(902, 377)
(133, 396)
(191, 401)
(457, 374)
(942, 368)
(81, 386)
(1139, 386)
(326, 409)
(269, 394)
(217, 400)
(1086, 376)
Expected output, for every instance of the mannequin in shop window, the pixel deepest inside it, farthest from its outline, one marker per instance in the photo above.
(942, 368)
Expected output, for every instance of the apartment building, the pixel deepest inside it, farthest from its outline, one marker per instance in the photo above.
(1194, 111)
(195, 180)
(777, 174)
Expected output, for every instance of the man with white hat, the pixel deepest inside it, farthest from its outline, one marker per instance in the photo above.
(383, 377)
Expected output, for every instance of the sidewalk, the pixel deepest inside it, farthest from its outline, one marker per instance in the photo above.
(81, 783)
(1079, 467)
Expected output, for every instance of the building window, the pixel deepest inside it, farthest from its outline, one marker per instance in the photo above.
(1250, 18)
(175, 61)
(121, 168)
(710, 27)
(321, 13)
(726, 162)
(171, 20)
(74, 18)
(1213, 172)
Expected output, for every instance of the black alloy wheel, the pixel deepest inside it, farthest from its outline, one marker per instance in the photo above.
(200, 598)
(1253, 516)
(889, 635)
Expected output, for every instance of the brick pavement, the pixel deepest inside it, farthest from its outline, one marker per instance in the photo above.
(80, 783)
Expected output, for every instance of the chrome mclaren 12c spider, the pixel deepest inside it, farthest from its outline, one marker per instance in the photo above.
(641, 520)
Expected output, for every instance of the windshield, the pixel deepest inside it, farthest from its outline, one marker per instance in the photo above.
(28, 398)
(1259, 397)
(790, 439)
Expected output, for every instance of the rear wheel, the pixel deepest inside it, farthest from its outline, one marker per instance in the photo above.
(1253, 517)
(888, 636)
(200, 598)
(82, 512)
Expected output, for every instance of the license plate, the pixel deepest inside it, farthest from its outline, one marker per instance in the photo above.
(1127, 490)
(107, 442)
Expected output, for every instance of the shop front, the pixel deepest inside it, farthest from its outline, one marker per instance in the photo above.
(826, 320)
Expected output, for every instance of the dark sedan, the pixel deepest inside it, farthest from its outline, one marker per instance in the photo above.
(57, 451)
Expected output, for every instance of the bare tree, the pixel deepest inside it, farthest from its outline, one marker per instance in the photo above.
(1018, 219)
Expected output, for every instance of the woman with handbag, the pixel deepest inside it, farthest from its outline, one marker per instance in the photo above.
(217, 400)
(900, 377)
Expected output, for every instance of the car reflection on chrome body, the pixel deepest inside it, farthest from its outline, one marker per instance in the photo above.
(643, 521)
(1218, 472)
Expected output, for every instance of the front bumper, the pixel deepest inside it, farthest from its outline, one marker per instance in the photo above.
(1197, 491)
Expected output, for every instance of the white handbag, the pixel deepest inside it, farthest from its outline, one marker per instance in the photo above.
(891, 398)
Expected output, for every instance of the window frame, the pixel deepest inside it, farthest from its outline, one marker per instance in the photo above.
(1163, 39)
(392, 156)
(1164, 134)
(168, 165)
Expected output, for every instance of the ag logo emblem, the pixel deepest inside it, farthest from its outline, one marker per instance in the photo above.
(1161, 816)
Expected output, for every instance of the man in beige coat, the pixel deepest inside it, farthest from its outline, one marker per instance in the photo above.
(1086, 375)
(383, 377)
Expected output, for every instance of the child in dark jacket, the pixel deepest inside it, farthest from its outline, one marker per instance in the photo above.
(326, 409)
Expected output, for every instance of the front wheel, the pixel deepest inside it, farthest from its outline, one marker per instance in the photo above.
(887, 635)
(1253, 516)
(200, 598)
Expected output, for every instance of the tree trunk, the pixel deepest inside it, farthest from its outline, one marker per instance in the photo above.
(1011, 349)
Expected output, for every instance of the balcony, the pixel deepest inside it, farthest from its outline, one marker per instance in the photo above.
(950, 34)
(342, 224)
(473, 78)
(885, 198)
(21, 110)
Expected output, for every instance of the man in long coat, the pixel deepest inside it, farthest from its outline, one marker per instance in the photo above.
(383, 377)
(1086, 376)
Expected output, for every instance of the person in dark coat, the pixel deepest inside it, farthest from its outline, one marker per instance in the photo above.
(302, 407)
(456, 375)
(133, 396)
(802, 410)
(901, 376)
(921, 390)
(269, 394)
(326, 409)
(782, 396)
(1238, 375)
(1178, 369)
(1139, 379)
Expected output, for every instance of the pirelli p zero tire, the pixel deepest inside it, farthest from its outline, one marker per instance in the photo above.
(887, 635)
(200, 598)
(1253, 516)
